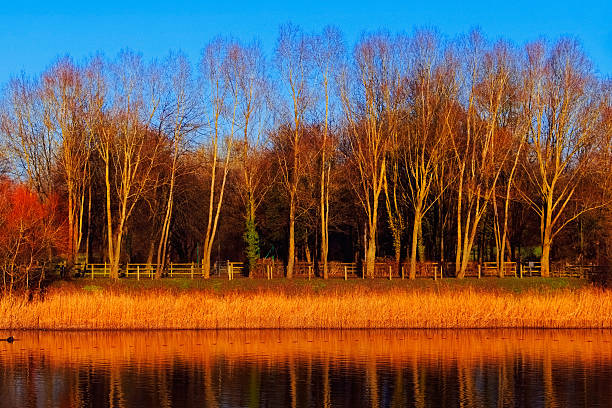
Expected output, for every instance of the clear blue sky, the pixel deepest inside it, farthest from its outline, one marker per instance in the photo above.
(33, 35)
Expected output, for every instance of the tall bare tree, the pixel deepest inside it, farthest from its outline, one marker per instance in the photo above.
(247, 67)
(294, 62)
(123, 99)
(175, 122)
(367, 92)
(512, 125)
(62, 95)
(220, 96)
(328, 49)
(432, 92)
(479, 149)
(28, 139)
(564, 110)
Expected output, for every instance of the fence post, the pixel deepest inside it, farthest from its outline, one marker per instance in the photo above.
(435, 272)
(229, 270)
(171, 269)
(137, 272)
(104, 273)
(479, 267)
(309, 271)
(390, 271)
(92, 271)
(345, 275)
(403, 273)
(191, 270)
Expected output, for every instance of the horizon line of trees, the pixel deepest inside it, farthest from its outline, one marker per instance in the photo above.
(413, 147)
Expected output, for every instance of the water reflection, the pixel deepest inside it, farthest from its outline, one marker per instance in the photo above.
(307, 369)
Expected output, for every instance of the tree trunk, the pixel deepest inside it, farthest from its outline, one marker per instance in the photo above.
(291, 251)
(398, 257)
(114, 260)
(545, 259)
(206, 251)
(150, 255)
(163, 239)
(458, 255)
(371, 253)
(113, 257)
(420, 242)
(413, 248)
(324, 219)
(88, 224)
(71, 227)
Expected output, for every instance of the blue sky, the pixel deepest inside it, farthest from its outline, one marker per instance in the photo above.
(33, 35)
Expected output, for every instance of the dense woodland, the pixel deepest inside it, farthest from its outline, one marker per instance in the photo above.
(412, 147)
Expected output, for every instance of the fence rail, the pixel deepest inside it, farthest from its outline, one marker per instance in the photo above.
(269, 269)
(147, 271)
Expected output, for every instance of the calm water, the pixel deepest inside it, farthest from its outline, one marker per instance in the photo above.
(307, 369)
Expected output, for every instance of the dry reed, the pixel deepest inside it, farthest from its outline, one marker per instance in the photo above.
(466, 308)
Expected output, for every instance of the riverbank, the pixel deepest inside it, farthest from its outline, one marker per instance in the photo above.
(247, 304)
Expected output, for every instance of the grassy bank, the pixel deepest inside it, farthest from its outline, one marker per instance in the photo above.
(494, 303)
(319, 286)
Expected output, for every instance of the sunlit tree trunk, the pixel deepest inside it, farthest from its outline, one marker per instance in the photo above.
(327, 50)
(376, 85)
(223, 96)
(294, 62)
(564, 113)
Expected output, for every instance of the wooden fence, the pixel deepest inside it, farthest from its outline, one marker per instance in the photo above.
(139, 271)
(269, 269)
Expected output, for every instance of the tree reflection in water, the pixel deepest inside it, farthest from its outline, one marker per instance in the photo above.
(390, 368)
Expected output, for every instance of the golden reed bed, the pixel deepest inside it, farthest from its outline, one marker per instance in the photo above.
(157, 309)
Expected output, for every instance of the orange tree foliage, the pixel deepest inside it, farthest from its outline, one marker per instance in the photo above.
(29, 233)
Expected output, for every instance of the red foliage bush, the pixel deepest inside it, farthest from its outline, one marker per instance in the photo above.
(30, 234)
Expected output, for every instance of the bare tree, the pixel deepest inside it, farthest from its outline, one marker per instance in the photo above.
(512, 124)
(564, 109)
(247, 68)
(366, 96)
(221, 96)
(26, 136)
(479, 150)
(123, 100)
(62, 93)
(294, 63)
(394, 117)
(177, 109)
(328, 49)
(432, 92)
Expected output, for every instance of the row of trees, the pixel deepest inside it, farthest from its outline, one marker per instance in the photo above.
(450, 149)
